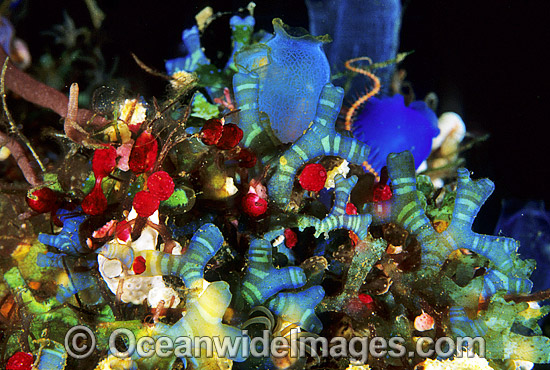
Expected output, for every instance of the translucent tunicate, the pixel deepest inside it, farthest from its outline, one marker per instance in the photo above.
(106, 100)
(292, 70)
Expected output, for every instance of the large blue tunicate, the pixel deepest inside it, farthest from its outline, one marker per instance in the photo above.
(529, 223)
(292, 70)
(358, 28)
(388, 126)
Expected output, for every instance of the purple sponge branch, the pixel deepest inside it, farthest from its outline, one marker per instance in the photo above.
(45, 96)
(21, 158)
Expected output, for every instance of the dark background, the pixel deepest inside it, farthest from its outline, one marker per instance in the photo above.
(484, 59)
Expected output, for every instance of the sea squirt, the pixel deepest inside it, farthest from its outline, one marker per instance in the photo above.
(358, 28)
(292, 70)
(388, 126)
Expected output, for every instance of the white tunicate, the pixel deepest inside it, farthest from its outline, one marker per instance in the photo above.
(176, 250)
(230, 187)
(112, 268)
(163, 294)
(279, 240)
(451, 131)
(341, 169)
(135, 289)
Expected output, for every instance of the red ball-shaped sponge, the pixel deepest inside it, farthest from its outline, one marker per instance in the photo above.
(381, 192)
(139, 265)
(351, 209)
(161, 185)
(291, 239)
(253, 205)
(313, 177)
(20, 361)
(145, 203)
(231, 135)
(144, 153)
(246, 158)
(211, 132)
(46, 200)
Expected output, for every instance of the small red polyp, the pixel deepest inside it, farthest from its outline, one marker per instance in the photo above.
(231, 136)
(211, 132)
(104, 161)
(46, 200)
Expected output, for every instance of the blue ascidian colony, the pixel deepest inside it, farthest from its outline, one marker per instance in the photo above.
(246, 206)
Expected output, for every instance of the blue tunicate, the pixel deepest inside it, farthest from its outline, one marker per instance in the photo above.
(292, 70)
(245, 24)
(529, 223)
(388, 126)
(52, 358)
(68, 240)
(358, 28)
(6, 34)
(256, 287)
(195, 56)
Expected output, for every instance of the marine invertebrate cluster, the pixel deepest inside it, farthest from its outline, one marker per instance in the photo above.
(319, 139)
(183, 226)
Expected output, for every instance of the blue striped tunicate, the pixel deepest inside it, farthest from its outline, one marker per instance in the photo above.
(292, 70)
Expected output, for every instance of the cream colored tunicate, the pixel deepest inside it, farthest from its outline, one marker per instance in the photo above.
(4, 153)
(112, 268)
(165, 294)
(138, 110)
(341, 169)
(134, 288)
(451, 132)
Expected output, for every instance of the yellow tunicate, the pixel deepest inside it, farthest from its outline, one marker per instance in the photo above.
(136, 108)
(458, 363)
(341, 169)
(440, 225)
(124, 134)
(4, 153)
(21, 251)
(62, 279)
(203, 17)
(182, 79)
